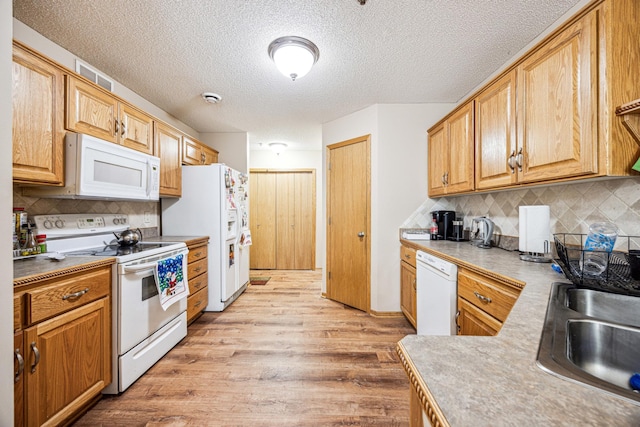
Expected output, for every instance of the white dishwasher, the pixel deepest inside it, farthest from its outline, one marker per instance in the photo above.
(436, 295)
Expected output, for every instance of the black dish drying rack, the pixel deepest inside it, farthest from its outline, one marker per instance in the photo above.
(616, 278)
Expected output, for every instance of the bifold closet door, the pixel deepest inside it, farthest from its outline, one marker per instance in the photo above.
(291, 203)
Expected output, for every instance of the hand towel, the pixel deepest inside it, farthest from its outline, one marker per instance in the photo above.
(171, 280)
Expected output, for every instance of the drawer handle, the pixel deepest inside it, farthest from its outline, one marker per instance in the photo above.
(75, 294)
(20, 365)
(482, 298)
(457, 324)
(196, 305)
(198, 269)
(407, 256)
(198, 254)
(36, 352)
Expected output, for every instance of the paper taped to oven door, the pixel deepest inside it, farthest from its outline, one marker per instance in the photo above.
(171, 281)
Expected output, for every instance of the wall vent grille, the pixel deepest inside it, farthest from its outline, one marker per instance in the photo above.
(86, 71)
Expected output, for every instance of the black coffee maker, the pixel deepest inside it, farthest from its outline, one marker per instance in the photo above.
(444, 219)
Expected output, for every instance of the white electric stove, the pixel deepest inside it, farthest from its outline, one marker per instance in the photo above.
(142, 331)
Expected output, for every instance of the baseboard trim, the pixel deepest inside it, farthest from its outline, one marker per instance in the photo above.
(386, 313)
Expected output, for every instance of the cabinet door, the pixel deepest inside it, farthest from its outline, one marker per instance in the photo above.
(557, 105)
(304, 197)
(38, 120)
(168, 143)
(68, 363)
(191, 152)
(210, 155)
(408, 292)
(135, 129)
(91, 110)
(262, 211)
(285, 221)
(460, 134)
(18, 385)
(473, 321)
(496, 134)
(438, 160)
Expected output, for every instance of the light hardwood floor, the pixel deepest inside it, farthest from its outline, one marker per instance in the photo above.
(281, 355)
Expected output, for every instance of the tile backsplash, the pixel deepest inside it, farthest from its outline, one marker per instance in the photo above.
(573, 206)
(46, 206)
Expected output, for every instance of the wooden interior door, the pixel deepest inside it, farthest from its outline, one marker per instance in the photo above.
(348, 222)
(285, 221)
(305, 225)
(262, 214)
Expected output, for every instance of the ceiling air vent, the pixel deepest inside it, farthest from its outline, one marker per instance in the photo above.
(99, 79)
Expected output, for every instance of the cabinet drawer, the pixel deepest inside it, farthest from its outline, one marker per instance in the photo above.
(197, 253)
(408, 255)
(67, 293)
(489, 295)
(197, 302)
(198, 282)
(196, 268)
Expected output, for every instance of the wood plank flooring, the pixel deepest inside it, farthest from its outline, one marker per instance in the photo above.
(281, 355)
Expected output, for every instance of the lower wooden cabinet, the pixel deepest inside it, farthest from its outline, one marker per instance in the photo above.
(65, 345)
(408, 284)
(198, 278)
(483, 303)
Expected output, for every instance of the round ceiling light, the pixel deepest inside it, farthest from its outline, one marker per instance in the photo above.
(294, 56)
(277, 147)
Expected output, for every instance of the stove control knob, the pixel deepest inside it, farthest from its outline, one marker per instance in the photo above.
(59, 223)
(47, 224)
(116, 220)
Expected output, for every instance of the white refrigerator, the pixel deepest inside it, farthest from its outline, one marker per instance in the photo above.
(215, 203)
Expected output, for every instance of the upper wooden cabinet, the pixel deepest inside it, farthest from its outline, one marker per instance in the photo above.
(209, 155)
(557, 106)
(38, 119)
(451, 147)
(168, 144)
(196, 153)
(496, 134)
(94, 111)
(550, 116)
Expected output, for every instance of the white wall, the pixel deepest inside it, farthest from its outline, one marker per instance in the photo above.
(6, 188)
(233, 148)
(38, 42)
(298, 159)
(398, 181)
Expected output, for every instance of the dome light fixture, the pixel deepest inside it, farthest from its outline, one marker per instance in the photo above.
(294, 56)
(277, 147)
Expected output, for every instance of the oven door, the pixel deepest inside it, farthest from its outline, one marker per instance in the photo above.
(139, 311)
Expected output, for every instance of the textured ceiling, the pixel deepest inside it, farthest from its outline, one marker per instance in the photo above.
(387, 51)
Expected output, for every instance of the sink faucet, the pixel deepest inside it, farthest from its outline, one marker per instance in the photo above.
(488, 231)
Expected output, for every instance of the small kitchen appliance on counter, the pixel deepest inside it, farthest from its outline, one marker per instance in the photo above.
(142, 330)
(444, 219)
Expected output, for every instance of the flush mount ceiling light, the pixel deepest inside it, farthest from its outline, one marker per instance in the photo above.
(294, 56)
(211, 98)
(277, 147)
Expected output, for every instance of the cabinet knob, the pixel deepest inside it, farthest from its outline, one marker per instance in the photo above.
(361, 234)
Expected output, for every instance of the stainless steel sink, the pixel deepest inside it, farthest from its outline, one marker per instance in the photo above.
(604, 305)
(593, 338)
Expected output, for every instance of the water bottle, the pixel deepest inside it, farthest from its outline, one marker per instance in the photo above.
(599, 244)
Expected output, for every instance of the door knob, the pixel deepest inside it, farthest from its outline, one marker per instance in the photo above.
(361, 234)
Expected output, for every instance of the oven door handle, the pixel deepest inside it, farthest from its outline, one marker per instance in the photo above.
(138, 268)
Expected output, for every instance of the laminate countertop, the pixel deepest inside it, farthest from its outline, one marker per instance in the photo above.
(495, 381)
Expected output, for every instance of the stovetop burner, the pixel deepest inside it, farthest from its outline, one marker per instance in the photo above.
(118, 250)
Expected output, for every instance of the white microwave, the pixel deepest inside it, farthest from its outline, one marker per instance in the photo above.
(98, 169)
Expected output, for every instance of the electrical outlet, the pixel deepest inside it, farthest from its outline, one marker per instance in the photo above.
(147, 217)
